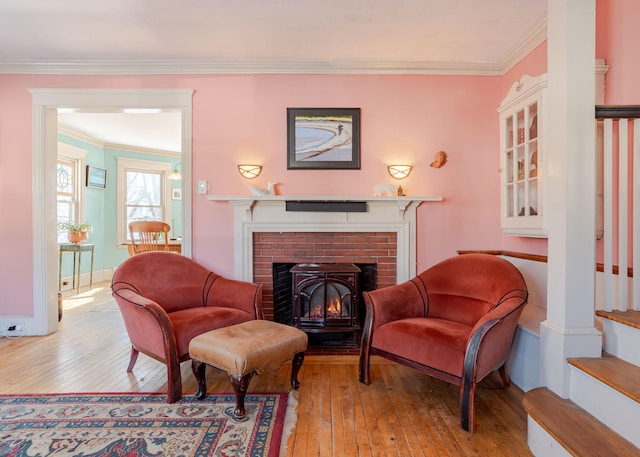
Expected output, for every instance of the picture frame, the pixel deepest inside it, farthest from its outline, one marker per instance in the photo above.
(176, 193)
(96, 177)
(323, 138)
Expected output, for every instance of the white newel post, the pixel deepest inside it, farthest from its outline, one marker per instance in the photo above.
(569, 328)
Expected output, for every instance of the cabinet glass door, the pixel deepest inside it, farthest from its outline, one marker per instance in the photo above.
(521, 163)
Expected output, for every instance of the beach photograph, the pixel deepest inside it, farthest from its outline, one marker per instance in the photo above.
(323, 138)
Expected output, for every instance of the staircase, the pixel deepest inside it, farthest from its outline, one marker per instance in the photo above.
(602, 416)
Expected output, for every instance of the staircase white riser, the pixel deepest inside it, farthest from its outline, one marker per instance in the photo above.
(541, 443)
(617, 411)
(622, 341)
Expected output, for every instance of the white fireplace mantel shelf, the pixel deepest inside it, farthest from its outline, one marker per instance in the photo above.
(248, 202)
(268, 213)
(229, 198)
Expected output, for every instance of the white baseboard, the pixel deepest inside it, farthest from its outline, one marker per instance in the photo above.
(98, 276)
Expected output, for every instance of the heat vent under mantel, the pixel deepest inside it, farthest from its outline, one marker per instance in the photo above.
(327, 206)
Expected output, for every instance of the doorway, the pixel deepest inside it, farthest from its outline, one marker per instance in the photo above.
(46, 103)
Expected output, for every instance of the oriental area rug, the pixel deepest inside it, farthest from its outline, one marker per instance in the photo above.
(137, 425)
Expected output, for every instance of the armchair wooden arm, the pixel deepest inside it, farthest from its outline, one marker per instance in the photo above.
(487, 351)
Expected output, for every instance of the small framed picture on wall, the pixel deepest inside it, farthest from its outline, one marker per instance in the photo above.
(176, 193)
(96, 177)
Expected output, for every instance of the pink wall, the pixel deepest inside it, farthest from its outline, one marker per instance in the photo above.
(617, 39)
(243, 118)
(404, 119)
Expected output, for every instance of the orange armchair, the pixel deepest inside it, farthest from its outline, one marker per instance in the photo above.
(455, 322)
(167, 299)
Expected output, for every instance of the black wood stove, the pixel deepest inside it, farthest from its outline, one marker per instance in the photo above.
(325, 297)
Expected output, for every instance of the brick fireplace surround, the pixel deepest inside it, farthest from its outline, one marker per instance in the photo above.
(321, 247)
(266, 232)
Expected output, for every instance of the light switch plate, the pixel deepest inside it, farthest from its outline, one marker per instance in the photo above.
(203, 186)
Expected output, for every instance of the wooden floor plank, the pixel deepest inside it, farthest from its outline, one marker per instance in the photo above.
(402, 413)
(324, 411)
(363, 443)
(348, 372)
(389, 398)
(376, 419)
(430, 393)
(418, 430)
(338, 401)
(312, 444)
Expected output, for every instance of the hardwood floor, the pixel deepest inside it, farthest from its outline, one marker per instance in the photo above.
(402, 413)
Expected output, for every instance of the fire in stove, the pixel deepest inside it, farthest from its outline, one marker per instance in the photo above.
(334, 309)
(331, 310)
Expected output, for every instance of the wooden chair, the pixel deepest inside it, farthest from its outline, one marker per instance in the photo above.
(149, 236)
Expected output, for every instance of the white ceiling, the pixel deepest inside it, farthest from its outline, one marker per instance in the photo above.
(263, 36)
(157, 131)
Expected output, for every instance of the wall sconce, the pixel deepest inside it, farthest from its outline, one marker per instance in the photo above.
(399, 171)
(249, 171)
(175, 173)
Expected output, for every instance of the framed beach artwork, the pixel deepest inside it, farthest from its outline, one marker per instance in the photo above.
(323, 138)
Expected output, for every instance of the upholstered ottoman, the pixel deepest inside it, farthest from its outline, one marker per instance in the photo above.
(245, 349)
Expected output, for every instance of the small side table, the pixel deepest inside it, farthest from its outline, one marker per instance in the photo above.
(79, 249)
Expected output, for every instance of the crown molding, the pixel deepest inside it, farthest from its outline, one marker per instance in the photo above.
(170, 67)
(536, 37)
(140, 150)
(75, 134)
(204, 67)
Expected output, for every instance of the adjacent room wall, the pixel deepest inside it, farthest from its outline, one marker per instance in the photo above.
(101, 207)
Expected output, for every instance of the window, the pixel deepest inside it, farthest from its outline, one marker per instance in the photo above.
(144, 196)
(142, 193)
(70, 207)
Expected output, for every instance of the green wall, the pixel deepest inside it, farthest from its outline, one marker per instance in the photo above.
(100, 206)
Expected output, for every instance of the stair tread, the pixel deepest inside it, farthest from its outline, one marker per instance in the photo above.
(614, 372)
(577, 431)
(630, 318)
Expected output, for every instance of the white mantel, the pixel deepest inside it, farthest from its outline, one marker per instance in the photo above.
(254, 214)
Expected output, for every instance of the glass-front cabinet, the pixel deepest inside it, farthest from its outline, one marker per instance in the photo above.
(522, 158)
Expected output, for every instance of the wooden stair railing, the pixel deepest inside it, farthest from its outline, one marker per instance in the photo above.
(618, 130)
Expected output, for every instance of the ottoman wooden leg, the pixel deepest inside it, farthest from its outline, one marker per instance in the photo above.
(295, 368)
(240, 385)
(199, 369)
